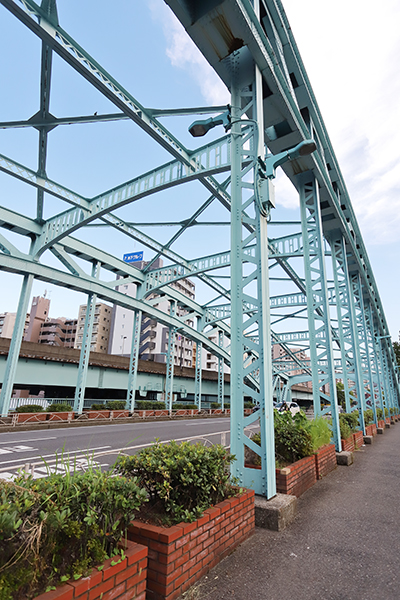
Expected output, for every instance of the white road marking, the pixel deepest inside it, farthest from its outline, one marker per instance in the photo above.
(65, 454)
(30, 440)
(12, 449)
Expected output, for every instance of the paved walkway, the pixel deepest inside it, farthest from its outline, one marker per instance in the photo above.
(343, 545)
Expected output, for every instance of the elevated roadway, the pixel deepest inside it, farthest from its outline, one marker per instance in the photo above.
(42, 367)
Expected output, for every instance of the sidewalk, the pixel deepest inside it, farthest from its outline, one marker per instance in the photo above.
(343, 545)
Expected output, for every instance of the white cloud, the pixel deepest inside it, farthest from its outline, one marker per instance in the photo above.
(350, 51)
(184, 54)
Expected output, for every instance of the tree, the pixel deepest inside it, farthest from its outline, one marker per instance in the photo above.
(396, 348)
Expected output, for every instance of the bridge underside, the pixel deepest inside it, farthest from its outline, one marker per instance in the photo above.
(280, 302)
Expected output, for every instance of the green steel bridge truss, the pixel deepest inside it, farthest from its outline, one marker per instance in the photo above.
(330, 326)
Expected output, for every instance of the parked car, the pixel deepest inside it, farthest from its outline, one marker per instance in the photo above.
(292, 406)
(257, 407)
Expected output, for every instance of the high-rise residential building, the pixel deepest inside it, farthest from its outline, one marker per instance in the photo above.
(101, 327)
(58, 332)
(153, 344)
(38, 315)
(7, 322)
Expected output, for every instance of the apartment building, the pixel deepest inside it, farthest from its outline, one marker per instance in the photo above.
(153, 345)
(7, 322)
(101, 328)
(39, 313)
(58, 332)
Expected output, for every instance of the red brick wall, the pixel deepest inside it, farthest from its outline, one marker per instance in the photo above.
(325, 460)
(358, 437)
(31, 417)
(297, 478)
(124, 581)
(348, 444)
(180, 555)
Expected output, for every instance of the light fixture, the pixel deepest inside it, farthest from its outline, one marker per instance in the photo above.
(203, 126)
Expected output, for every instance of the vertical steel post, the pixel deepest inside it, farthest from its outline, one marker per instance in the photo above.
(134, 360)
(169, 381)
(321, 352)
(250, 334)
(15, 345)
(221, 371)
(348, 333)
(369, 321)
(197, 390)
(85, 349)
(356, 289)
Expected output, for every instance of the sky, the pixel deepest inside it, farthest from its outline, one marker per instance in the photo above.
(350, 51)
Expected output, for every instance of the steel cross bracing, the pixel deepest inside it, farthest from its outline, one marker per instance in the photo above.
(273, 106)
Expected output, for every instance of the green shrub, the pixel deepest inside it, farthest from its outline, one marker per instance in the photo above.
(352, 420)
(249, 405)
(292, 439)
(345, 430)
(30, 408)
(182, 480)
(368, 416)
(181, 406)
(59, 407)
(379, 414)
(59, 527)
(149, 405)
(320, 431)
(215, 405)
(386, 412)
(99, 407)
(116, 404)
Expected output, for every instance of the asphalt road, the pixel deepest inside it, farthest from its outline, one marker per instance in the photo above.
(101, 444)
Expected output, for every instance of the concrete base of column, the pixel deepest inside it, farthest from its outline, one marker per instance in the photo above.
(344, 458)
(275, 514)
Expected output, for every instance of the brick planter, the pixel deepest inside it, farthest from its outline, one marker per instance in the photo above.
(296, 478)
(325, 460)
(119, 414)
(381, 424)
(348, 444)
(358, 437)
(31, 417)
(371, 429)
(180, 555)
(387, 420)
(123, 581)
(98, 414)
(60, 416)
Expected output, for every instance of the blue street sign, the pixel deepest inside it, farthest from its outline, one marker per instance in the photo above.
(133, 257)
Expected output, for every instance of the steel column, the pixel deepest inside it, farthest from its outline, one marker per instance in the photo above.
(85, 349)
(15, 345)
(347, 327)
(197, 392)
(134, 360)
(221, 371)
(169, 380)
(321, 352)
(251, 335)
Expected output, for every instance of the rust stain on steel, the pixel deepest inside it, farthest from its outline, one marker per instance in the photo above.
(231, 42)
